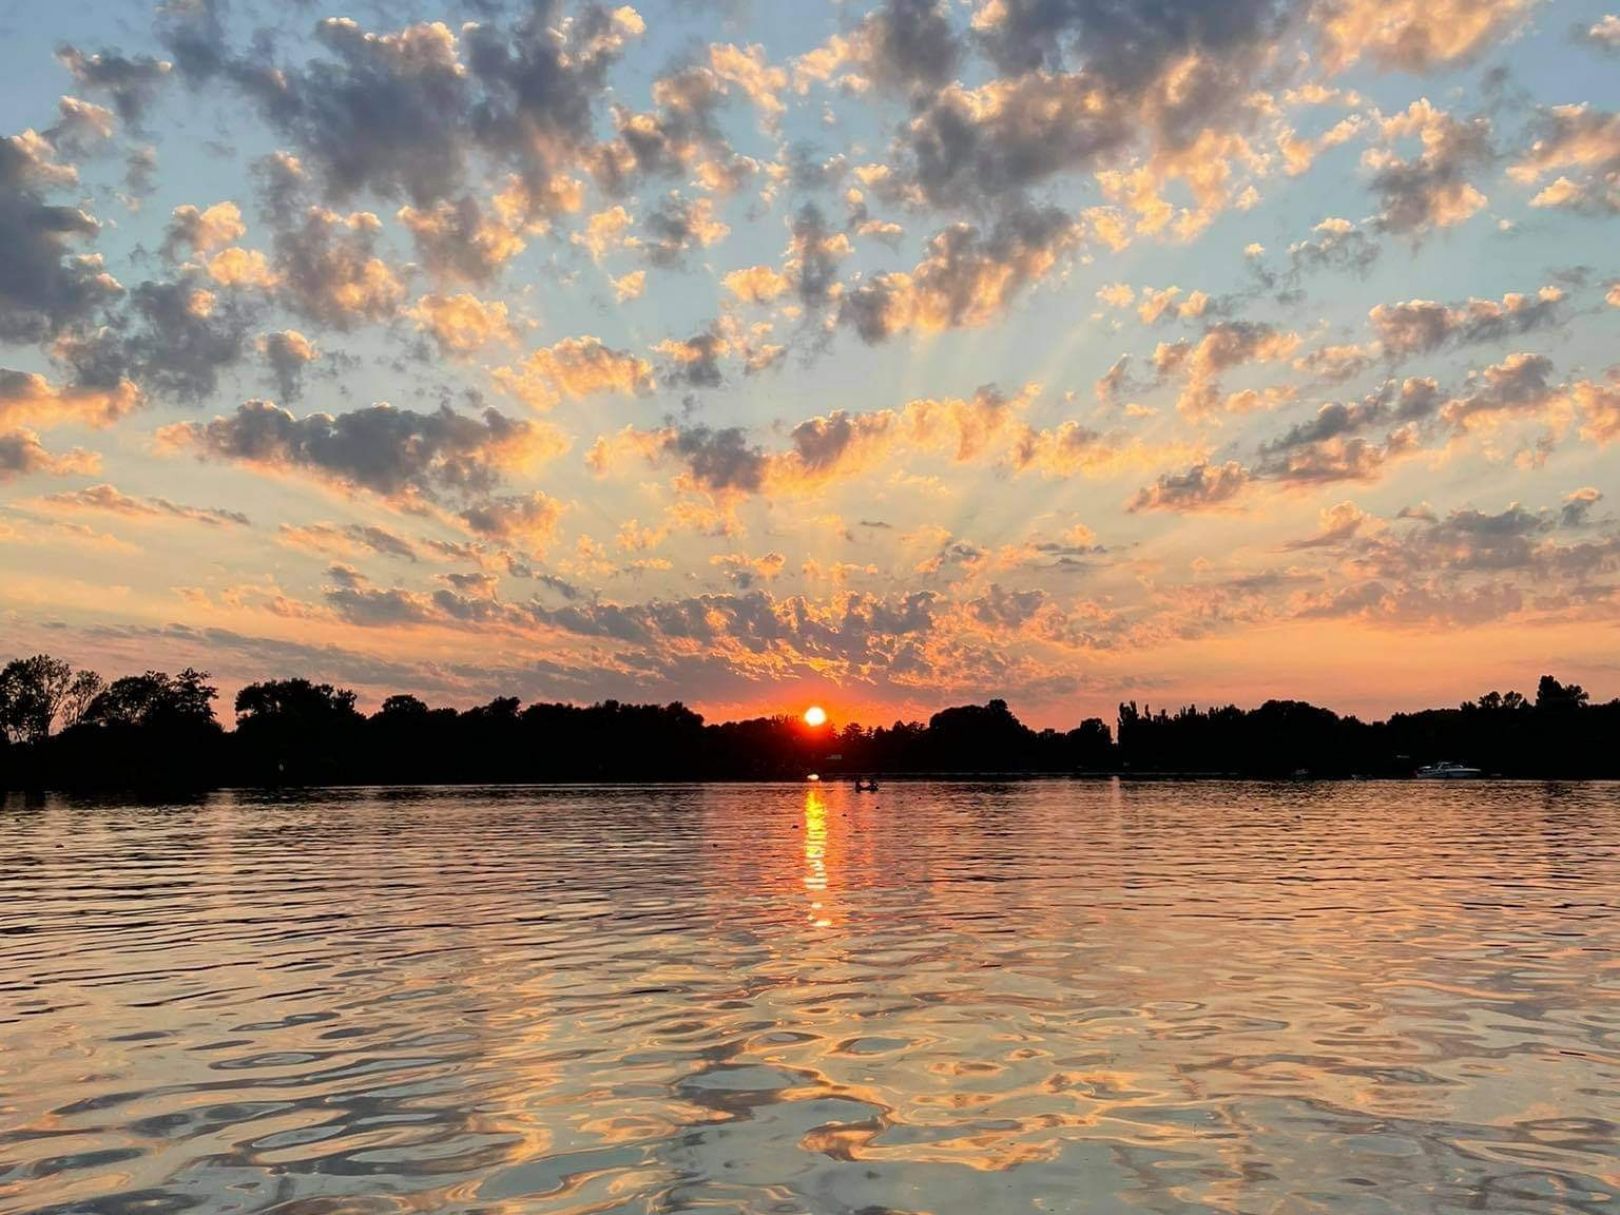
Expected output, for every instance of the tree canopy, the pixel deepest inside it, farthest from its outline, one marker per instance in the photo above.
(61, 727)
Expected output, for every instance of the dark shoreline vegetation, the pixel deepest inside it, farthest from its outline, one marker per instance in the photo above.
(70, 730)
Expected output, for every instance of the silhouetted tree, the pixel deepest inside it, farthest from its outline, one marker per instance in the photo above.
(41, 693)
(1091, 745)
(980, 738)
(153, 729)
(62, 729)
(155, 698)
(1555, 697)
(296, 732)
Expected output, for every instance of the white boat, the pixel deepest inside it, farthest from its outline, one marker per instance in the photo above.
(1444, 770)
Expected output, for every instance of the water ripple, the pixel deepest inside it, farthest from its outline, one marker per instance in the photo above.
(1046, 997)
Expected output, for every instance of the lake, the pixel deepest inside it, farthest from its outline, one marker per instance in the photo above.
(948, 998)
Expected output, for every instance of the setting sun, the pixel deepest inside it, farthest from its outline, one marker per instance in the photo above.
(815, 715)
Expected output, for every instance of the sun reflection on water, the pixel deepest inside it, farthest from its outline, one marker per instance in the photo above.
(815, 853)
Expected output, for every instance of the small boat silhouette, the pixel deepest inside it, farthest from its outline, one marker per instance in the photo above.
(1445, 770)
(869, 786)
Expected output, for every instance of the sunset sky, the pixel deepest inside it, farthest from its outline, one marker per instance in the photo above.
(759, 353)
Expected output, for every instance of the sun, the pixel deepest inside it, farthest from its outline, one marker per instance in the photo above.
(815, 715)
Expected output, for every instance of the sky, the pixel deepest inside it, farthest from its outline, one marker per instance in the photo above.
(757, 353)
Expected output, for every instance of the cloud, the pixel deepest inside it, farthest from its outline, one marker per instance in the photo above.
(29, 399)
(399, 114)
(382, 111)
(841, 445)
(1223, 346)
(200, 231)
(676, 226)
(681, 133)
(458, 242)
(814, 252)
(809, 270)
(1335, 364)
(1121, 43)
(717, 461)
(1415, 327)
(1412, 35)
(605, 232)
(1337, 458)
(1484, 561)
(395, 453)
(1578, 505)
(1465, 567)
(131, 81)
(1006, 609)
(109, 499)
(1141, 98)
(527, 520)
(756, 284)
(1432, 189)
(44, 286)
(1431, 605)
(1337, 244)
(1578, 140)
(140, 167)
(905, 46)
(462, 324)
(80, 127)
(1602, 35)
(755, 631)
(1413, 399)
(1421, 326)
(22, 454)
(1338, 523)
(346, 539)
(1299, 152)
(1011, 134)
(630, 286)
(748, 69)
(288, 353)
(572, 369)
(237, 267)
(744, 571)
(330, 271)
(697, 361)
(353, 597)
(1519, 384)
(1158, 303)
(174, 339)
(1200, 488)
(966, 280)
(1599, 407)
(282, 184)
(827, 448)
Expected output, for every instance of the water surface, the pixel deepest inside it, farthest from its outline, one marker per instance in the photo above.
(951, 998)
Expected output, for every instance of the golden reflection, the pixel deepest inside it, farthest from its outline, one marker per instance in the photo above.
(815, 849)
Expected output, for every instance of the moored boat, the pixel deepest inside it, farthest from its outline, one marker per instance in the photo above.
(1445, 770)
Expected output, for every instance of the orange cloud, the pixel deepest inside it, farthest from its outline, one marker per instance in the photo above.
(574, 368)
(29, 399)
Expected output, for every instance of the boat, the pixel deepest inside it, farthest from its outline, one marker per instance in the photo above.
(865, 786)
(1445, 770)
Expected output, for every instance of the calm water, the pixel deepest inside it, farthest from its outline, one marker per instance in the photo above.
(1045, 997)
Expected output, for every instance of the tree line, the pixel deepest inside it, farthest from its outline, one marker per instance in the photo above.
(68, 729)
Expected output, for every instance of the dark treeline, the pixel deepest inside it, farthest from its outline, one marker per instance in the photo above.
(67, 729)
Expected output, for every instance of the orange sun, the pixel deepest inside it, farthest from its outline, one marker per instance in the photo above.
(815, 715)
